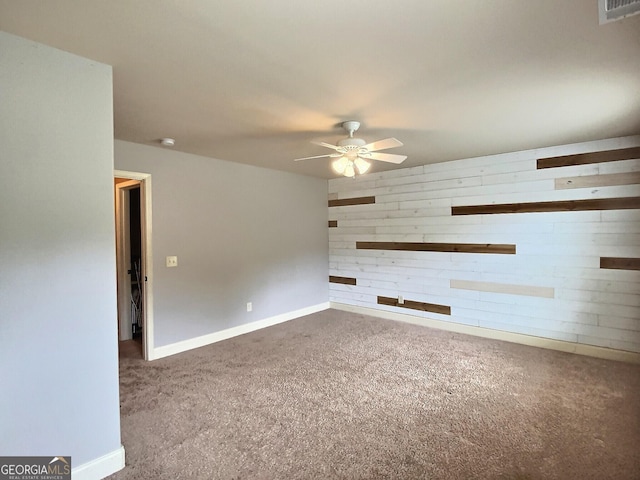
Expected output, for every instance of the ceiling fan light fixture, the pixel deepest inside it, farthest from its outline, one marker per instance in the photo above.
(340, 165)
(348, 167)
(349, 171)
(361, 165)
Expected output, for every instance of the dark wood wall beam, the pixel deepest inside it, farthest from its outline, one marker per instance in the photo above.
(422, 306)
(352, 201)
(619, 263)
(343, 280)
(591, 157)
(439, 247)
(556, 206)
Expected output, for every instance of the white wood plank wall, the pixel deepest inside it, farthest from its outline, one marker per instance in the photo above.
(553, 287)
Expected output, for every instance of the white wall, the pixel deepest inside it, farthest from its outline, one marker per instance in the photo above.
(58, 333)
(553, 286)
(241, 234)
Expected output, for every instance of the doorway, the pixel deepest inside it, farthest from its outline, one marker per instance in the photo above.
(133, 261)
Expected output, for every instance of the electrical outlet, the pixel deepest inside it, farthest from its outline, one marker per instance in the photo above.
(172, 261)
(249, 307)
(400, 300)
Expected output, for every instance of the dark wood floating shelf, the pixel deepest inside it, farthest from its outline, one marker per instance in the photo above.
(352, 201)
(556, 206)
(591, 157)
(439, 247)
(619, 263)
(413, 305)
(343, 280)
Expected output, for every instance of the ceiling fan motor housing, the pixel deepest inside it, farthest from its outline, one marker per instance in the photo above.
(352, 143)
(352, 147)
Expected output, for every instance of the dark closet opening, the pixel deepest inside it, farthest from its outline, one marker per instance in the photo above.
(135, 265)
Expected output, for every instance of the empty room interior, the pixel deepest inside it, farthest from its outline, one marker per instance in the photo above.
(358, 240)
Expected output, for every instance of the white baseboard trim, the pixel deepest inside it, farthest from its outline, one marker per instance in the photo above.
(100, 467)
(183, 346)
(540, 342)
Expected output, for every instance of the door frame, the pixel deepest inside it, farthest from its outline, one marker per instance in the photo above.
(144, 180)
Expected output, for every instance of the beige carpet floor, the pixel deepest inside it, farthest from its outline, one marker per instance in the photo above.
(346, 396)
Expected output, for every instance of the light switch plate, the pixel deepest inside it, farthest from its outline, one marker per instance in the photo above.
(172, 261)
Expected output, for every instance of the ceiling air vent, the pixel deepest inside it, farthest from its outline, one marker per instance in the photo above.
(612, 10)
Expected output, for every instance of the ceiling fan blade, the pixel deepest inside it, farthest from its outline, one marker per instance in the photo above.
(383, 144)
(317, 156)
(328, 145)
(385, 157)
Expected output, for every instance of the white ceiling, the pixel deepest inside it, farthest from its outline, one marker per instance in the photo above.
(254, 81)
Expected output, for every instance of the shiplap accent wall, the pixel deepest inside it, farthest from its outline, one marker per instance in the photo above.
(552, 287)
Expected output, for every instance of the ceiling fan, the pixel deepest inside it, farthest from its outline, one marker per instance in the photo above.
(352, 153)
